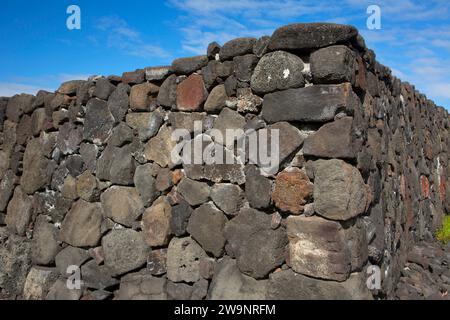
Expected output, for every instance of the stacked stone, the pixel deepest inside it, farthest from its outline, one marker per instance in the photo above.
(88, 179)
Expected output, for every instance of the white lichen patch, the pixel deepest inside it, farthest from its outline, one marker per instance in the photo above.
(286, 73)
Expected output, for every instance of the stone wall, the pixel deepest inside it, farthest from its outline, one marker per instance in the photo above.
(88, 179)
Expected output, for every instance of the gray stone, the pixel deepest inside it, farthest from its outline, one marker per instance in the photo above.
(18, 105)
(146, 124)
(167, 96)
(318, 248)
(278, 71)
(194, 192)
(258, 188)
(216, 99)
(228, 197)
(156, 73)
(45, 242)
(288, 285)
(69, 138)
(6, 188)
(310, 36)
(59, 291)
(98, 122)
(118, 102)
(145, 183)
(159, 148)
(18, 213)
(206, 227)
(178, 291)
(122, 205)
(89, 154)
(183, 258)
(213, 49)
(332, 140)
(97, 277)
(38, 283)
(81, 226)
(260, 46)
(122, 167)
(35, 175)
(38, 120)
(51, 203)
(339, 190)
(70, 256)
(258, 248)
(156, 223)
(180, 218)
(121, 135)
(236, 47)
(125, 250)
(142, 286)
(14, 262)
(230, 284)
(228, 120)
(103, 89)
(185, 120)
(335, 64)
(185, 66)
(244, 66)
(318, 103)
(157, 262)
(199, 290)
(70, 87)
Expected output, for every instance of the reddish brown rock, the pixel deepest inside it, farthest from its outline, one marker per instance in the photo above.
(156, 223)
(292, 190)
(191, 93)
(142, 96)
(425, 184)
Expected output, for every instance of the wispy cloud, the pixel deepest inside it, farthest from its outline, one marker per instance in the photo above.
(119, 35)
(32, 85)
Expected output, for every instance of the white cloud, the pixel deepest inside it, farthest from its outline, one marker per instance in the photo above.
(119, 35)
(32, 85)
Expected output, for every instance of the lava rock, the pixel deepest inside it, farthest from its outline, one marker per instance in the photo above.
(310, 36)
(156, 223)
(258, 248)
(45, 242)
(122, 204)
(125, 250)
(216, 99)
(19, 211)
(185, 66)
(118, 102)
(183, 258)
(180, 218)
(191, 93)
(98, 122)
(339, 190)
(292, 190)
(278, 71)
(236, 47)
(228, 197)
(194, 192)
(258, 188)
(318, 103)
(81, 226)
(206, 227)
(332, 140)
(142, 96)
(145, 183)
(335, 64)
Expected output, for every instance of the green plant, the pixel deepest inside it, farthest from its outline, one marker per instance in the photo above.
(443, 234)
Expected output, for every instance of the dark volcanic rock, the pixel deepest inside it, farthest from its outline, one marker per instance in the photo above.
(311, 104)
(310, 36)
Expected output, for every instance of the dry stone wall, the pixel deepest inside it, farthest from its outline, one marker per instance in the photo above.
(87, 177)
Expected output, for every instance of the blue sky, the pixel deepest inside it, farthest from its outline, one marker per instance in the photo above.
(38, 51)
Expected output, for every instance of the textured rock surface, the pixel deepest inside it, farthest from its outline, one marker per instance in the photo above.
(357, 181)
(311, 104)
(339, 190)
(258, 248)
(278, 71)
